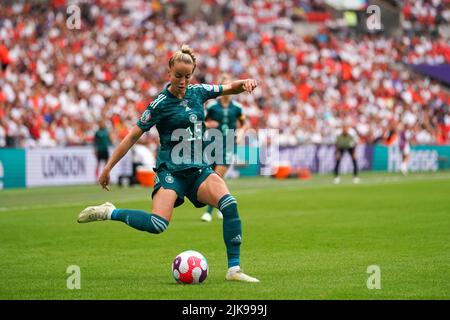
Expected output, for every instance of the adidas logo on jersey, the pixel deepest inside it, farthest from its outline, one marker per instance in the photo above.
(184, 104)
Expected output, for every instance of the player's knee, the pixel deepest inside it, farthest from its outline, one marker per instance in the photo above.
(219, 173)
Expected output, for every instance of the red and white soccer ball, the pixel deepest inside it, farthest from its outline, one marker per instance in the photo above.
(190, 267)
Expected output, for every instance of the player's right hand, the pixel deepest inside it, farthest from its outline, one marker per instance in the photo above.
(103, 180)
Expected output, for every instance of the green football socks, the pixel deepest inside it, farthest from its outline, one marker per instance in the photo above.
(232, 229)
(210, 209)
(141, 220)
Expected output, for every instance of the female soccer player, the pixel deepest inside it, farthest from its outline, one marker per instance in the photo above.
(224, 115)
(179, 109)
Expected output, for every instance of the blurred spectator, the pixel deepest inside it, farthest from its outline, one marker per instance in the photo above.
(102, 141)
(2, 134)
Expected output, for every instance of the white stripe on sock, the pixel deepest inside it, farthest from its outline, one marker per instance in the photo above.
(161, 226)
(227, 202)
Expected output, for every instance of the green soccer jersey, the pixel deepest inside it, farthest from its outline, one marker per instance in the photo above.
(226, 117)
(180, 124)
(101, 140)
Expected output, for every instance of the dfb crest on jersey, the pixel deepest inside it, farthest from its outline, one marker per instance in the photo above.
(193, 118)
(146, 116)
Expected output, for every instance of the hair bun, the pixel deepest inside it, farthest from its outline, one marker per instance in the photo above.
(185, 54)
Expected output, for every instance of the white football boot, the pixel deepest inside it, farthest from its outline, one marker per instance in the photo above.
(219, 214)
(356, 180)
(337, 180)
(96, 213)
(236, 274)
(206, 217)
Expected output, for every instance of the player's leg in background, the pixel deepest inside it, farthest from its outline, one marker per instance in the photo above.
(355, 165)
(213, 191)
(337, 179)
(97, 167)
(156, 222)
(102, 159)
(207, 216)
(405, 160)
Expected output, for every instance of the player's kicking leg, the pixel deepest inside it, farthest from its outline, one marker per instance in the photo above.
(163, 204)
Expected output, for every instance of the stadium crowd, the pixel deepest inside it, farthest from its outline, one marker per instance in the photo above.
(57, 82)
(424, 15)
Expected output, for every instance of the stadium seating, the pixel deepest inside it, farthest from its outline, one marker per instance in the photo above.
(54, 91)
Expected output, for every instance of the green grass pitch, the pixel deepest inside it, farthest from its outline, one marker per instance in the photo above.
(302, 239)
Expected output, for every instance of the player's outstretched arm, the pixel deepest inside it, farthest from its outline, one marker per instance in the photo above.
(124, 146)
(239, 86)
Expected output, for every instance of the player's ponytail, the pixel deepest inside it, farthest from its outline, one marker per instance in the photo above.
(185, 55)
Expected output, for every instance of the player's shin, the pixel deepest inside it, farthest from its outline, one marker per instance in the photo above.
(232, 229)
(141, 220)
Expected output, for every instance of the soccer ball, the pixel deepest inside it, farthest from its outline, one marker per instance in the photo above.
(190, 267)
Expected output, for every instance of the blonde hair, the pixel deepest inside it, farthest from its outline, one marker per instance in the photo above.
(185, 55)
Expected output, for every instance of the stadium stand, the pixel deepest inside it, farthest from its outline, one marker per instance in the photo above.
(56, 82)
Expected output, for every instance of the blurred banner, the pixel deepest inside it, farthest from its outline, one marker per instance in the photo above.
(347, 4)
(247, 161)
(321, 158)
(67, 166)
(20, 168)
(440, 72)
(422, 158)
(12, 168)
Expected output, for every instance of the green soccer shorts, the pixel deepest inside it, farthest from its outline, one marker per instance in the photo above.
(184, 183)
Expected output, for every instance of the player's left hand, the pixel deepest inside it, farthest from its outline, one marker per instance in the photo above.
(249, 85)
